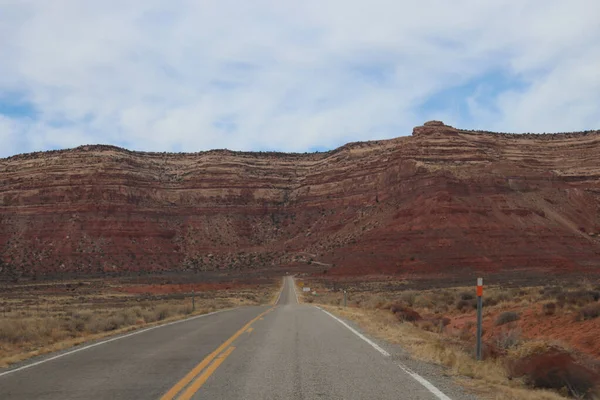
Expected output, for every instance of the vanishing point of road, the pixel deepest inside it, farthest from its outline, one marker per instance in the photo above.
(286, 351)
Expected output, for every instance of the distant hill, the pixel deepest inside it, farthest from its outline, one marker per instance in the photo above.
(438, 201)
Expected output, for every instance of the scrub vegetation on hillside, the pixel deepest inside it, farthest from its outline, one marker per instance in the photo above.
(539, 342)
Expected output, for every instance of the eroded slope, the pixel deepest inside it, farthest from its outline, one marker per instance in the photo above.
(439, 201)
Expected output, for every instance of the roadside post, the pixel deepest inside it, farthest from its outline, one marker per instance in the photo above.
(479, 316)
(345, 298)
(193, 301)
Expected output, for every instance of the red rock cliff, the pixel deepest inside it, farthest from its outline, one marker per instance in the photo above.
(441, 199)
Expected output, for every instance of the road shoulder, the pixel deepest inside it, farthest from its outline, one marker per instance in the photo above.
(438, 376)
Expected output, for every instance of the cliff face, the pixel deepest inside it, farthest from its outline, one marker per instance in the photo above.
(440, 200)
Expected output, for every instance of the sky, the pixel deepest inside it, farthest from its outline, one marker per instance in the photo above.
(192, 75)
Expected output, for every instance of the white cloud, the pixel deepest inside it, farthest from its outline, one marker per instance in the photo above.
(9, 131)
(189, 75)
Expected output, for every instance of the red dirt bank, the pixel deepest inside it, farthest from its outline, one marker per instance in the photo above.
(437, 201)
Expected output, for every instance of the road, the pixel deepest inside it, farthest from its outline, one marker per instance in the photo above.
(287, 351)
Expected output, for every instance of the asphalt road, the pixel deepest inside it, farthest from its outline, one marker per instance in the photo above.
(289, 351)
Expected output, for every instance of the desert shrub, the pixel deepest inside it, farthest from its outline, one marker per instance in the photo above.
(556, 369)
(515, 293)
(466, 296)
(440, 308)
(427, 325)
(561, 300)
(446, 297)
(149, 315)
(408, 297)
(490, 301)
(438, 324)
(75, 325)
(83, 315)
(466, 331)
(77, 321)
(589, 311)
(508, 338)
(581, 297)
(551, 292)
(506, 317)
(549, 308)
(163, 312)
(96, 324)
(113, 323)
(496, 299)
(424, 301)
(377, 302)
(106, 323)
(126, 317)
(404, 313)
(187, 309)
(17, 331)
(465, 305)
(137, 311)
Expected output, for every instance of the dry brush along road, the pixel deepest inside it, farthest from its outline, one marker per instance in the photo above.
(285, 351)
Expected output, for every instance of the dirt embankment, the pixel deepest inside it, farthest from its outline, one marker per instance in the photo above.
(541, 337)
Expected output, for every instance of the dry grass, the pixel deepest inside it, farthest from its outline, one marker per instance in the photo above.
(589, 311)
(369, 305)
(45, 322)
(488, 378)
(507, 317)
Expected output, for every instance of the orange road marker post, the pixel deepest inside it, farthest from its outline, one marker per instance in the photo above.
(479, 316)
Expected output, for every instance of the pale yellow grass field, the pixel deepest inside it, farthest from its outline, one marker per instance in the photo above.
(31, 326)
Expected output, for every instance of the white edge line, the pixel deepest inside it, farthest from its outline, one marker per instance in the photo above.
(295, 290)
(108, 341)
(428, 385)
(357, 333)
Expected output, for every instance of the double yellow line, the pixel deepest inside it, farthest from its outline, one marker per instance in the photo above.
(201, 373)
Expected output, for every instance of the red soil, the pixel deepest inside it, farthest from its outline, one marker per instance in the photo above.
(561, 328)
(181, 288)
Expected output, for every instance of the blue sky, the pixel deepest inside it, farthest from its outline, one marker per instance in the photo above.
(13, 107)
(185, 75)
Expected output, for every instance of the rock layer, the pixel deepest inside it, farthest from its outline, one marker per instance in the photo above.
(441, 200)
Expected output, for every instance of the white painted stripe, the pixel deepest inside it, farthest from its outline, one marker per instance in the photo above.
(110, 340)
(428, 385)
(357, 333)
(295, 290)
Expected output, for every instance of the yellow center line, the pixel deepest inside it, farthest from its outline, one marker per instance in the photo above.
(194, 387)
(198, 368)
(249, 330)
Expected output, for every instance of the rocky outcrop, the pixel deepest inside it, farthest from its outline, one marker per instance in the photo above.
(442, 200)
(434, 127)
